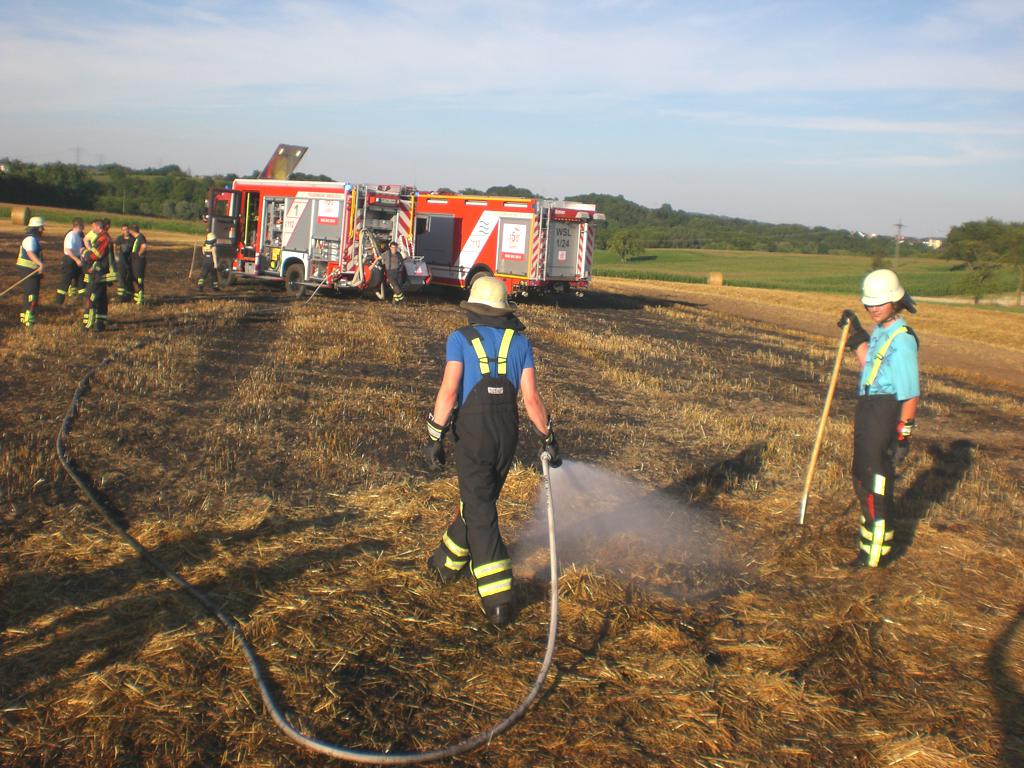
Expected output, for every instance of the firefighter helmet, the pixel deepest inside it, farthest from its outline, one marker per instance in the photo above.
(211, 238)
(36, 221)
(488, 296)
(882, 287)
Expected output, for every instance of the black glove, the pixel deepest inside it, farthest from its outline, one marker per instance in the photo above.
(549, 445)
(434, 449)
(857, 335)
(901, 445)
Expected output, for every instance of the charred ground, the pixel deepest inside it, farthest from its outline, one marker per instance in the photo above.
(269, 451)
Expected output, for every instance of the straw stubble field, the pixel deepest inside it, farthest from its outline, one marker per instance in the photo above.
(269, 451)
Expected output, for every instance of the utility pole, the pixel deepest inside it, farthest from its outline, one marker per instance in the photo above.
(899, 239)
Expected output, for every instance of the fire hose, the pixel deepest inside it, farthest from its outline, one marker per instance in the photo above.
(256, 667)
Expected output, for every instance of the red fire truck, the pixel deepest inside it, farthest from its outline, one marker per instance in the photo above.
(328, 235)
(307, 234)
(534, 245)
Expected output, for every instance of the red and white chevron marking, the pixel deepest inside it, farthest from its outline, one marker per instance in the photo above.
(536, 252)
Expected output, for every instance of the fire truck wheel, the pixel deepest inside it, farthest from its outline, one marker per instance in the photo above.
(229, 277)
(293, 279)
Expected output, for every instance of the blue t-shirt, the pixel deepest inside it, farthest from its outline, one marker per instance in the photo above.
(459, 350)
(897, 374)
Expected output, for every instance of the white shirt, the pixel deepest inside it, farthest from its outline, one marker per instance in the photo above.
(73, 244)
(31, 244)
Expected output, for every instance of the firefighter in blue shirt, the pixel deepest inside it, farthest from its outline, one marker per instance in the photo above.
(888, 394)
(488, 363)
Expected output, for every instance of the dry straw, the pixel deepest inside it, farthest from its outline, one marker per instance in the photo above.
(273, 459)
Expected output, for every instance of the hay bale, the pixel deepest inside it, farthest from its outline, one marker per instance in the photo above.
(20, 214)
(715, 278)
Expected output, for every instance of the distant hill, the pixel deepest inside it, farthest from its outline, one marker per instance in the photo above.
(171, 192)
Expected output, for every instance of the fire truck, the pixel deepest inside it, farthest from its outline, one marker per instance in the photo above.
(313, 236)
(307, 235)
(533, 244)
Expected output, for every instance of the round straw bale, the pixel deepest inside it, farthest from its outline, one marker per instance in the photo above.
(20, 215)
(715, 278)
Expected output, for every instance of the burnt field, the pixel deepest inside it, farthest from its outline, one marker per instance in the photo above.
(269, 451)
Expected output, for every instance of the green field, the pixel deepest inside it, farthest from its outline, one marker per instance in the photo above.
(65, 215)
(832, 273)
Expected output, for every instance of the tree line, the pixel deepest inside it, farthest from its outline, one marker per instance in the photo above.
(171, 192)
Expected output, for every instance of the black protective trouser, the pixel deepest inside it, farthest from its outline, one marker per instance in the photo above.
(124, 277)
(485, 435)
(30, 288)
(72, 281)
(94, 317)
(208, 274)
(874, 432)
(138, 273)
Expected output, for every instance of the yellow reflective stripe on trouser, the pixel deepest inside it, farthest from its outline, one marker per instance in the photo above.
(506, 342)
(880, 355)
(454, 548)
(879, 487)
(503, 585)
(481, 354)
(483, 571)
(875, 545)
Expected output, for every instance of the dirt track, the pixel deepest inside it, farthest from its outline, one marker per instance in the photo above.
(990, 365)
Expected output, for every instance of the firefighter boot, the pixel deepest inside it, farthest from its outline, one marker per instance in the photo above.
(501, 615)
(398, 298)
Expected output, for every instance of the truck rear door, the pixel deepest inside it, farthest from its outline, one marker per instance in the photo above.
(562, 248)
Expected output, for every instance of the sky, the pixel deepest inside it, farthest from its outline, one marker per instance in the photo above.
(852, 115)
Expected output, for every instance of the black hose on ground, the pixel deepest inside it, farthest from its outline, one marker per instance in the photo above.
(310, 742)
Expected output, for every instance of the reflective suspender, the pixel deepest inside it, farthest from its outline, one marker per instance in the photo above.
(481, 353)
(880, 355)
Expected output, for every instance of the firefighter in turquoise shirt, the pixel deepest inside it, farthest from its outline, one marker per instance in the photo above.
(888, 392)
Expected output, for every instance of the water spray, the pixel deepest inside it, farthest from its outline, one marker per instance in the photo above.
(256, 667)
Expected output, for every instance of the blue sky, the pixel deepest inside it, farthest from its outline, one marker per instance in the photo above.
(841, 114)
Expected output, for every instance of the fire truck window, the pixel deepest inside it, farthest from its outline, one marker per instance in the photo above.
(422, 224)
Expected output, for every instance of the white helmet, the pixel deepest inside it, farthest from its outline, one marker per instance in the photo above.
(211, 238)
(487, 296)
(36, 221)
(883, 287)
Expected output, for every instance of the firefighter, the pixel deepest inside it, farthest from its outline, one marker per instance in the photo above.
(487, 363)
(888, 394)
(123, 248)
(209, 270)
(393, 270)
(138, 263)
(96, 261)
(30, 268)
(71, 273)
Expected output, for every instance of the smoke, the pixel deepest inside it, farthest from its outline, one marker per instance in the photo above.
(609, 524)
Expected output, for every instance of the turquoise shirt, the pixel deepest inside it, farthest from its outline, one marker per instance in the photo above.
(897, 374)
